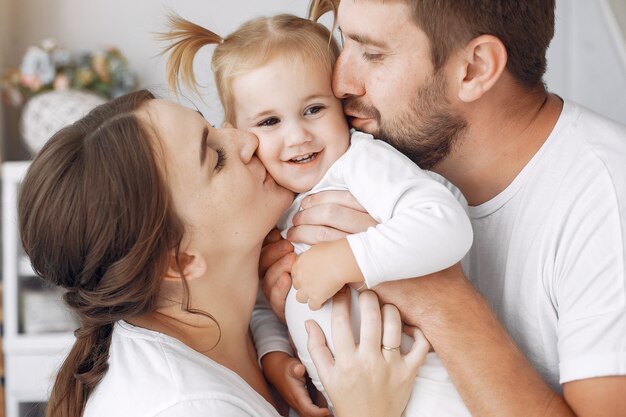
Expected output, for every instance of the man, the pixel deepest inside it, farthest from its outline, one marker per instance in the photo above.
(457, 87)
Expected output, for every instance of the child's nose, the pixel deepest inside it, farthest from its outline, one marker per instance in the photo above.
(297, 135)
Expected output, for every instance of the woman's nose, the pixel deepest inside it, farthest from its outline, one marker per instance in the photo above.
(346, 79)
(248, 143)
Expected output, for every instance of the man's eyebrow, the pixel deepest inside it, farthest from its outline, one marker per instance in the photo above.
(204, 145)
(364, 39)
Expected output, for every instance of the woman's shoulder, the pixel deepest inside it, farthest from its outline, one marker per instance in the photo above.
(151, 373)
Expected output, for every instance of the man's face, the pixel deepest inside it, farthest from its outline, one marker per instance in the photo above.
(389, 87)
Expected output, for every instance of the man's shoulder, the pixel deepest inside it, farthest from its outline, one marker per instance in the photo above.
(592, 128)
(586, 143)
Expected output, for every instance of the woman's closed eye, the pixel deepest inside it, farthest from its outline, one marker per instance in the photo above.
(270, 121)
(221, 159)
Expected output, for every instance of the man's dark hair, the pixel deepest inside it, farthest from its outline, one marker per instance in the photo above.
(526, 28)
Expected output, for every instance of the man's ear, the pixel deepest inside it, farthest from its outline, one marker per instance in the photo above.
(188, 266)
(481, 64)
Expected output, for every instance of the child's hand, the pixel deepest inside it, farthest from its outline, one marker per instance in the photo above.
(286, 374)
(323, 270)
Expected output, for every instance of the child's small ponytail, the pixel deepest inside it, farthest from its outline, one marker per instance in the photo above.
(188, 39)
(318, 8)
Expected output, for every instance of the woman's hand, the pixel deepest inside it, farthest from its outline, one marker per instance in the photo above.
(371, 378)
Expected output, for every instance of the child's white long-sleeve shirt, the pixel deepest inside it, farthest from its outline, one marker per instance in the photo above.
(422, 229)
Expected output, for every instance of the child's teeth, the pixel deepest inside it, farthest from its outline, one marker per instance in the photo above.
(304, 157)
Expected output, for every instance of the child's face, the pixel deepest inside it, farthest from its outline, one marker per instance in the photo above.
(300, 124)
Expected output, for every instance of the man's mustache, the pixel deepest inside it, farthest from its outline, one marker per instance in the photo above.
(353, 106)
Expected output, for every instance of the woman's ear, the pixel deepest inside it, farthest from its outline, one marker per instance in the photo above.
(482, 62)
(188, 266)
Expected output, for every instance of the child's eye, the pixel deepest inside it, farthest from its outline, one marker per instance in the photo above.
(221, 159)
(314, 109)
(270, 121)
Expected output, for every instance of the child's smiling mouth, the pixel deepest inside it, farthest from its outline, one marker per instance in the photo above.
(303, 159)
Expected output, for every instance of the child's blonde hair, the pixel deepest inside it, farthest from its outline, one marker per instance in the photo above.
(251, 46)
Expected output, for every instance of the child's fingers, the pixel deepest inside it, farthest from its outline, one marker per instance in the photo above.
(303, 404)
(315, 304)
(301, 296)
(299, 370)
(417, 355)
(306, 408)
(296, 369)
(311, 410)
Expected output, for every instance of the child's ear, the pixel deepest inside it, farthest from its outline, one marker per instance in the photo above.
(188, 266)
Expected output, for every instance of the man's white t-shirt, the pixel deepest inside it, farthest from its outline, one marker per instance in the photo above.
(549, 251)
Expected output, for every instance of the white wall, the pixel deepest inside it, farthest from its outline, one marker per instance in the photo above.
(585, 61)
(587, 58)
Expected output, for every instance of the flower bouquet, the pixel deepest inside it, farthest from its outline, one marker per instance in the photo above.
(54, 87)
(47, 67)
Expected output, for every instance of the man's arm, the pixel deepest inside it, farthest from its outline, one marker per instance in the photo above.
(490, 372)
(492, 375)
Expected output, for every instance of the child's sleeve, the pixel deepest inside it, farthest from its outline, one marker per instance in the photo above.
(423, 228)
(269, 333)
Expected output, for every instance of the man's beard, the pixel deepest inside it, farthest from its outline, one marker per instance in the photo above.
(426, 131)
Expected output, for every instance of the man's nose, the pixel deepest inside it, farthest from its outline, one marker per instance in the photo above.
(347, 80)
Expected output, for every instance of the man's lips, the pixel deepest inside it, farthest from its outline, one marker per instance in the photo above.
(358, 120)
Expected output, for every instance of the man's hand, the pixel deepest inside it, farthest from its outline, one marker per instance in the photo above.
(328, 216)
(277, 257)
(325, 216)
(287, 375)
(323, 270)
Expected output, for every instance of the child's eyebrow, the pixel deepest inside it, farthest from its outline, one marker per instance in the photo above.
(314, 96)
(261, 114)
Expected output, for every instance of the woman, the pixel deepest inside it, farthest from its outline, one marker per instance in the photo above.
(153, 223)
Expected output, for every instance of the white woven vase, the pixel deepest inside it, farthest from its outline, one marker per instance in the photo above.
(47, 113)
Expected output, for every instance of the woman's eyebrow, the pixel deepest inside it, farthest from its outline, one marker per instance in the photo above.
(204, 145)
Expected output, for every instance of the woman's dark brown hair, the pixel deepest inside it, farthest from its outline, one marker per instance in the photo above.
(96, 218)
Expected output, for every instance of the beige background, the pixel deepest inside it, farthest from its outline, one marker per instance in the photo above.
(587, 61)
